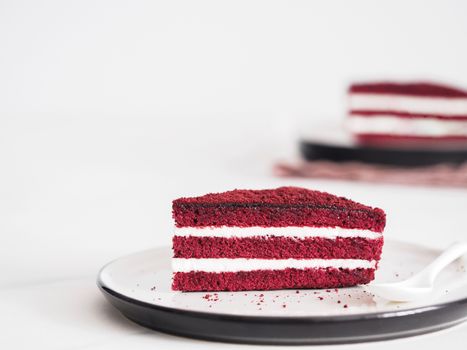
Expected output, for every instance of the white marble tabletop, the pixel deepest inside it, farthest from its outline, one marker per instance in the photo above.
(80, 193)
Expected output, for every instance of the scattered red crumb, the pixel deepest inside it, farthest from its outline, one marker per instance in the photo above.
(346, 306)
(338, 301)
(211, 297)
(320, 298)
(284, 306)
(261, 295)
(336, 290)
(297, 291)
(328, 291)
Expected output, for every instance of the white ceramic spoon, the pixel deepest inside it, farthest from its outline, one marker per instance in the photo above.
(421, 284)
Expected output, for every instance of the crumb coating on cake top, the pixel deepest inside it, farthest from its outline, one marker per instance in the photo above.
(282, 196)
(284, 206)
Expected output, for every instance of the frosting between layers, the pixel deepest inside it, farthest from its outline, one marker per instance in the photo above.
(392, 125)
(290, 231)
(398, 103)
(236, 265)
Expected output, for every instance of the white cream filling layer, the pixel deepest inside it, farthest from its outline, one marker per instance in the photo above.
(410, 104)
(392, 125)
(235, 265)
(290, 231)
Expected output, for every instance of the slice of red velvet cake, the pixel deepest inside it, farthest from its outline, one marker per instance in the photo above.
(407, 111)
(287, 237)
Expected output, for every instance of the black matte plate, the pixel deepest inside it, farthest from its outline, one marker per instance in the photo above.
(334, 144)
(288, 330)
(126, 284)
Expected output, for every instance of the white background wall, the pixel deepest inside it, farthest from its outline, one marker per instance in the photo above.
(228, 59)
(231, 73)
(109, 109)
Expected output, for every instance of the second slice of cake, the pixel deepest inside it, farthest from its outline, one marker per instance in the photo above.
(417, 111)
(287, 237)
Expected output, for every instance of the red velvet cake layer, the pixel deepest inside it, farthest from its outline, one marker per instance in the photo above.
(409, 89)
(271, 279)
(285, 206)
(406, 115)
(272, 216)
(450, 142)
(277, 248)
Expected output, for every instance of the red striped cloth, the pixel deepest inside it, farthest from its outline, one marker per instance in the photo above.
(436, 175)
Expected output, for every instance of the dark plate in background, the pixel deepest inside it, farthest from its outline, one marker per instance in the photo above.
(335, 144)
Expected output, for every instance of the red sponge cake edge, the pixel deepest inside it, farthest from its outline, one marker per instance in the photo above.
(220, 237)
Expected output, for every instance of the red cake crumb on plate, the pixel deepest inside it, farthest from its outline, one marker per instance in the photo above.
(287, 237)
